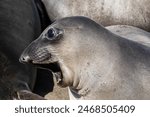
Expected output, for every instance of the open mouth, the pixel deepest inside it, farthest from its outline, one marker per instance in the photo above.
(45, 61)
(54, 68)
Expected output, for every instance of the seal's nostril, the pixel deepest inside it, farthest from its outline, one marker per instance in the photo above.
(25, 59)
(21, 59)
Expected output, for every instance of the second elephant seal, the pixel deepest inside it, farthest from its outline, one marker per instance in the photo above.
(106, 12)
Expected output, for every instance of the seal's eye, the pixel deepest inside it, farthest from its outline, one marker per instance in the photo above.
(51, 33)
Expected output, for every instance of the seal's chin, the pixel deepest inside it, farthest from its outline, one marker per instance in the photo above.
(54, 68)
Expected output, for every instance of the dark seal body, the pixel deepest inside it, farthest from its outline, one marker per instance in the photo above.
(19, 25)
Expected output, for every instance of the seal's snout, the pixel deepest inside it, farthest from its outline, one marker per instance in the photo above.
(25, 59)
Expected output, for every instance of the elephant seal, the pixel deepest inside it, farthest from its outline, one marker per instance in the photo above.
(106, 12)
(92, 61)
(19, 25)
